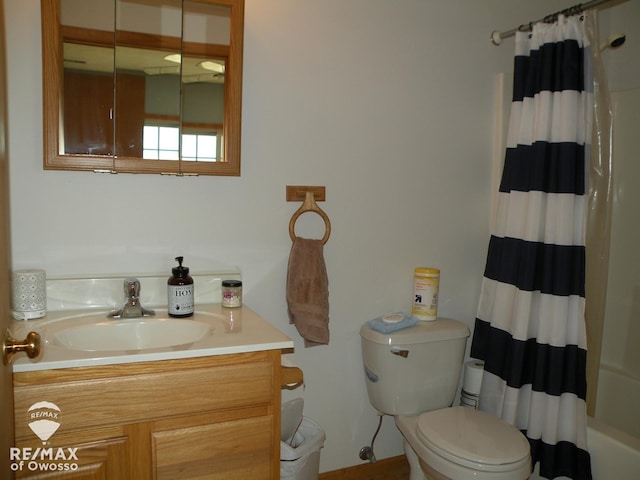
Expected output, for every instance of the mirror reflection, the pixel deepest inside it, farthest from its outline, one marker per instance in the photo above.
(147, 85)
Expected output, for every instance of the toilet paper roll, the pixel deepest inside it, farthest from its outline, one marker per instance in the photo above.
(473, 376)
(29, 294)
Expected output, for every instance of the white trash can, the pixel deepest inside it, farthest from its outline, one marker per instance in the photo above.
(300, 454)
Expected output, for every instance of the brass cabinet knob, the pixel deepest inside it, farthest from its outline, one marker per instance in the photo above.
(11, 346)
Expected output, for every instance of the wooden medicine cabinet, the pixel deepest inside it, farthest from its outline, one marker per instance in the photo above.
(143, 86)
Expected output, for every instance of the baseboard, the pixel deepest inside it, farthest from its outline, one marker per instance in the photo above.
(382, 469)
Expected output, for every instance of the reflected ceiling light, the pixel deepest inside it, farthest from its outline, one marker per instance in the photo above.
(201, 78)
(161, 70)
(173, 57)
(212, 66)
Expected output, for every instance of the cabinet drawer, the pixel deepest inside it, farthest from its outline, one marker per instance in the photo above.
(147, 395)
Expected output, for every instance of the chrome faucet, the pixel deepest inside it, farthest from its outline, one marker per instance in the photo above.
(132, 307)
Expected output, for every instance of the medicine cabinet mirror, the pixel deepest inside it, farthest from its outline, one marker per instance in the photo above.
(143, 86)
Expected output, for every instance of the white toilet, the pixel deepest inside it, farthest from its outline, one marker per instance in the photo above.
(413, 375)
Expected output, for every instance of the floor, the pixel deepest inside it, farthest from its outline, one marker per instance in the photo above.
(394, 468)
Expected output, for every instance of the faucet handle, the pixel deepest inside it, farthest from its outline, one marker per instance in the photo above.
(131, 287)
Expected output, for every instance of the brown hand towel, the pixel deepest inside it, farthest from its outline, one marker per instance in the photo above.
(308, 291)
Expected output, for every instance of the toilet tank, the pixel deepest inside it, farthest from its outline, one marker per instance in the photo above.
(416, 369)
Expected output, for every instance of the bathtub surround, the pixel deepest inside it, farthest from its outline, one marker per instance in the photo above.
(530, 324)
(619, 373)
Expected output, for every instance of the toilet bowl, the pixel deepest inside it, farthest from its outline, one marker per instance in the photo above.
(412, 374)
(460, 443)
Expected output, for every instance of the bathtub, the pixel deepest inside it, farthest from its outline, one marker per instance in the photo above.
(615, 455)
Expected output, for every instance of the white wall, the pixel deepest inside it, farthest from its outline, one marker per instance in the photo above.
(387, 103)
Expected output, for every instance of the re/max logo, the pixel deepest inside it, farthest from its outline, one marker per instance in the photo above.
(38, 453)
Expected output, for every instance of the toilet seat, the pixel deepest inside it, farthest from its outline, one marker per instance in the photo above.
(473, 439)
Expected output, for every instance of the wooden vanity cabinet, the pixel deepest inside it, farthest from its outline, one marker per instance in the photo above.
(212, 417)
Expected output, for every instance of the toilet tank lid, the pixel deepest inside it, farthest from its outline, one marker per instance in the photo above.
(422, 332)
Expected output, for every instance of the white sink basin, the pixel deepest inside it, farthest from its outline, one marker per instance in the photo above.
(131, 334)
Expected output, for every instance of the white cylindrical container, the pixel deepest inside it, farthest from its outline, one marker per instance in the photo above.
(426, 283)
(29, 294)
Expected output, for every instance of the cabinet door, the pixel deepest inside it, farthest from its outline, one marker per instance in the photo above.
(130, 112)
(89, 111)
(240, 449)
(88, 114)
(90, 455)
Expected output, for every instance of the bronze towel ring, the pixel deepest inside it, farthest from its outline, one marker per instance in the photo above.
(310, 205)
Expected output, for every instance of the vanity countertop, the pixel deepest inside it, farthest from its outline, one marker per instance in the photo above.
(232, 330)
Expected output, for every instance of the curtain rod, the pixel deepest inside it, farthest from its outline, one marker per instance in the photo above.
(497, 37)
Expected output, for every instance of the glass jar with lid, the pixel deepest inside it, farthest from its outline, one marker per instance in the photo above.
(231, 293)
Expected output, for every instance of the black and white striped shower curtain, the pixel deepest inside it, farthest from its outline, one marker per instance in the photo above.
(530, 328)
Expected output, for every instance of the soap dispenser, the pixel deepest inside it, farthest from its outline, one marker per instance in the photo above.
(180, 291)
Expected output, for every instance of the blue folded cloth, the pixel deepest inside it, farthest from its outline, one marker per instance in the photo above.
(393, 322)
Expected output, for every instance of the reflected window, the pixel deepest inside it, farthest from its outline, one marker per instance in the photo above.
(199, 147)
(161, 142)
